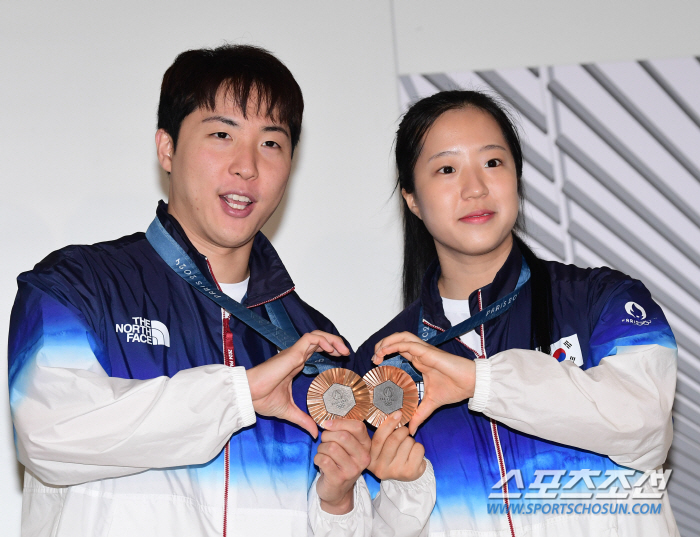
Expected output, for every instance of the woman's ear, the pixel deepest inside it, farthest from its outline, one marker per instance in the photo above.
(164, 150)
(410, 200)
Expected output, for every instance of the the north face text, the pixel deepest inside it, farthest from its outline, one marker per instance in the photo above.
(145, 331)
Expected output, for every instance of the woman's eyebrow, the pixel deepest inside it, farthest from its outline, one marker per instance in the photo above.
(443, 154)
(492, 146)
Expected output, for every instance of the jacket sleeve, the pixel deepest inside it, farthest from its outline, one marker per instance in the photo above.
(400, 509)
(74, 423)
(403, 508)
(619, 406)
(356, 523)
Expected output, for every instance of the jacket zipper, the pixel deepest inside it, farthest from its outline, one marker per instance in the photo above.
(496, 439)
(230, 361)
(494, 427)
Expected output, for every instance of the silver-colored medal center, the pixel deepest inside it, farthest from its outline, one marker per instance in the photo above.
(388, 397)
(339, 399)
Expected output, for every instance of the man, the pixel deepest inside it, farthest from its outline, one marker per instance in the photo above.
(143, 408)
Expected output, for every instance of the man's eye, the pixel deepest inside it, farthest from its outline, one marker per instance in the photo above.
(270, 143)
(221, 135)
(493, 163)
(447, 169)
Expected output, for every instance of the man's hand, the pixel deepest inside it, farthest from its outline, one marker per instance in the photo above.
(342, 457)
(271, 382)
(395, 454)
(447, 378)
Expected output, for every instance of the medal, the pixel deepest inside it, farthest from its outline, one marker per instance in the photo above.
(390, 389)
(338, 393)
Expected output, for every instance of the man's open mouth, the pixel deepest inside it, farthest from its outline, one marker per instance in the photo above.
(237, 202)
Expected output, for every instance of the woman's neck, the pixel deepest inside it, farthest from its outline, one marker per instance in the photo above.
(462, 274)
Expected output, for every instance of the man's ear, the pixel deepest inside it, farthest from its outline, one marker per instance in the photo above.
(410, 200)
(164, 149)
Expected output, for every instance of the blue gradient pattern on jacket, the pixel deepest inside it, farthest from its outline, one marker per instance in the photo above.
(69, 311)
(591, 303)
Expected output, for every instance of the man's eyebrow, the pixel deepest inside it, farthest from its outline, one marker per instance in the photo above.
(443, 154)
(220, 119)
(276, 128)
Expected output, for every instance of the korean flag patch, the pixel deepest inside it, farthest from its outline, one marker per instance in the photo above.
(568, 348)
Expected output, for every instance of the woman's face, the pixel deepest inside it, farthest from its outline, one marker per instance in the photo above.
(466, 188)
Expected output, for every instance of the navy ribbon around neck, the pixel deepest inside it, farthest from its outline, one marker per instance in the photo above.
(282, 333)
(282, 336)
(433, 337)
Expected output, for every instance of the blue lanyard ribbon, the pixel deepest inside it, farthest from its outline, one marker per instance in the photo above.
(178, 260)
(435, 338)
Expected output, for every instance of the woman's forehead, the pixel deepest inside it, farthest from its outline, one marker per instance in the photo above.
(464, 127)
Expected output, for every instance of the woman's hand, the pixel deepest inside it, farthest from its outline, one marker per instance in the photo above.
(446, 378)
(271, 382)
(395, 454)
(343, 455)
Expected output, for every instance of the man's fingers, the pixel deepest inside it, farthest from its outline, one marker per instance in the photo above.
(417, 453)
(336, 346)
(302, 419)
(423, 412)
(403, 450)
(350, 444)
(356, 428)
(325, 464)
(341, 458)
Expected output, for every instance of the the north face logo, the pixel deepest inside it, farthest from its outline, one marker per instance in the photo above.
(145, 331)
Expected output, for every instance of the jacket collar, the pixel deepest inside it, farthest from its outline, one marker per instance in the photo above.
(269, 278)
(505, 281)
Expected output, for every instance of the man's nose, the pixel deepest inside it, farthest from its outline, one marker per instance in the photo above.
(244, 162)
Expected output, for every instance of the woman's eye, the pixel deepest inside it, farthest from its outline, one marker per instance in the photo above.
(493, 163)
(446, 169)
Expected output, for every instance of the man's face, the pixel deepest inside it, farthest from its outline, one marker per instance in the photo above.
(227, 175)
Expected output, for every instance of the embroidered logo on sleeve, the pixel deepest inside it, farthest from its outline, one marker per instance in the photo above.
(145, 331)
(568, 348)
(637, 314)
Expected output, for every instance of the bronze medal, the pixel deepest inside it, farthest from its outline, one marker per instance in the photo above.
(337, 393)
(390, 389)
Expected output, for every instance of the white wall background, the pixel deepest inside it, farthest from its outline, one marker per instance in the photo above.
(79, 87)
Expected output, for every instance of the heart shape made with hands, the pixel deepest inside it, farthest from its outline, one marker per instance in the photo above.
(340, 393)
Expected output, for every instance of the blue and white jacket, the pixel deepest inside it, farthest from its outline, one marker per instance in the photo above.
(604, 406)
(130, 420)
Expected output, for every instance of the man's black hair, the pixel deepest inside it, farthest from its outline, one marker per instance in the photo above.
(246, 74)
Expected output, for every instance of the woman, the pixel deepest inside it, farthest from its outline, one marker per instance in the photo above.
(521, 443)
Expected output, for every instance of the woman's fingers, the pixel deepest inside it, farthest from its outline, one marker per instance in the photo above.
(390, 340)
(382, 433)
(417, 352)
(423, 412)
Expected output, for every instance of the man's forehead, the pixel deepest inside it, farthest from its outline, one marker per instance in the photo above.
(228, 104)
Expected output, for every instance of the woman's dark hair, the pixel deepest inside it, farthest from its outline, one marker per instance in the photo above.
(419, 247)
(241, 71)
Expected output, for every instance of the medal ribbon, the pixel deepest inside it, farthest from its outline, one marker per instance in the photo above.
(435, 338)
(178, 260)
